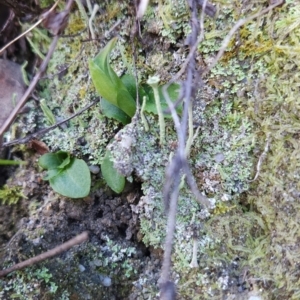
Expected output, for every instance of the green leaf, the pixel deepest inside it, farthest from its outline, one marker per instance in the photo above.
(126, 102)
(52, 173)
(68, 176)
(104, 78)
(74, 181)
(173, 91)
(101, 60)
(66, 159)
(112, 177)
(130, 84)
(60, 160)
(112, 111)
(108, 84)
(103, 84)
(50, 161)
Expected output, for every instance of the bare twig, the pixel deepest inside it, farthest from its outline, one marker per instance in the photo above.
(55, 251)
(45, 130)
(188, 89)
(36, 78)
(179, 164)
(135, 31)
(142, 8)
(194, 262)
(31, 87)
(171, 224)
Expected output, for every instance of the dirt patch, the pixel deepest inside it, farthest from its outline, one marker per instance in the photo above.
(103, 267)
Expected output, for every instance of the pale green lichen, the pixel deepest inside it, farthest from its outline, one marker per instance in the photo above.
(251, 94)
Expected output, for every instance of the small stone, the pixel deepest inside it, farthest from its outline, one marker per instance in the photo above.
(94, 169)
(106, 281)
(219, 157)
(81, 268)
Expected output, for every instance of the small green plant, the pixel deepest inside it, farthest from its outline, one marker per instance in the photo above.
(44, 275)
(118, 101)
(119, 94)
(67, 175)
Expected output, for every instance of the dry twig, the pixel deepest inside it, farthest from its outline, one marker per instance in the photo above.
(53, 252)
(35, 135)
(179, 164)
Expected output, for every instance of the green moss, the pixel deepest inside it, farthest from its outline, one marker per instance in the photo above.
(11, 195)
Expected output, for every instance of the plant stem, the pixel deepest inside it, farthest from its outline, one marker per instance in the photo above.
(144, 120)
(153, 82)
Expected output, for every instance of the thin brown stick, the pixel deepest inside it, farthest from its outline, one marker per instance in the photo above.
(34, 81)
(179, 165)
(30, 89)
(53, 252)
(35, 135)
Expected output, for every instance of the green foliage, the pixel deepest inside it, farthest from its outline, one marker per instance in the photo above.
(43, 274)
(113, 178)
(119, 93)
(67, 175)
(112, 111)
(11, 195)
(107, 82)
(118, 103)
